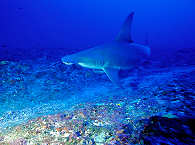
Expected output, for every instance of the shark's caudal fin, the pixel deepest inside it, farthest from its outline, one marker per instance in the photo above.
(125, 33)
(146, 40)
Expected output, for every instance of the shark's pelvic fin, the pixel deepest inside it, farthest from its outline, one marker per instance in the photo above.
(125, 33)
(112, 75)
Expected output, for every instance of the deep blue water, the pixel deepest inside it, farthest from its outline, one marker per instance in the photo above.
(29, 28)
(35, 35)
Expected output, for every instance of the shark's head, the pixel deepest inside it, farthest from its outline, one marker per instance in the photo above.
(68, 60)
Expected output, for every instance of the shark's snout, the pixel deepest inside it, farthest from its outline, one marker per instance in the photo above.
(67, 60)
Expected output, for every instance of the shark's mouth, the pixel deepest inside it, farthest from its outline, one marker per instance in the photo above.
(68, 63)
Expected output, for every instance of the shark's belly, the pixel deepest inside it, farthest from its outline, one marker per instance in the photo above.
(89, 65)
(121, 62)
(120, 66)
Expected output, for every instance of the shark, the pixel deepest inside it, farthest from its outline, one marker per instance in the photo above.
(121, 53)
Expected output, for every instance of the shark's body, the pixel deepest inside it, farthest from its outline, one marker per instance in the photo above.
(122, 53)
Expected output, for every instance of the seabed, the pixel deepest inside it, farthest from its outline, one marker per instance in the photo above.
(43, 103)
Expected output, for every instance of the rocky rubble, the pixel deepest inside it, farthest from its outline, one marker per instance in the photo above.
(163, 130)
(54, 103)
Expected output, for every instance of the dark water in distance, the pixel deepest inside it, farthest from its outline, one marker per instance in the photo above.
(30, 28)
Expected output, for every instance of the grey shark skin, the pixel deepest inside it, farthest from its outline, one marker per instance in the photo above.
(121, 53)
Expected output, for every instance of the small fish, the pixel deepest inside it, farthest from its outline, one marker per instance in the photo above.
(122, 53)
(20, 9)
(4, 46)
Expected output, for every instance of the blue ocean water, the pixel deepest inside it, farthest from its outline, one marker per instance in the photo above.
(36, 88)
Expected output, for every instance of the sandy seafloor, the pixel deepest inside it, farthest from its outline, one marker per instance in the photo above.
(46, 103)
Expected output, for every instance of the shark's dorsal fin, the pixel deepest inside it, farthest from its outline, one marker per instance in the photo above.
(125, 33)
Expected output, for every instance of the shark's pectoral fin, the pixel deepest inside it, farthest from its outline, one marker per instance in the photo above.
(112, 75)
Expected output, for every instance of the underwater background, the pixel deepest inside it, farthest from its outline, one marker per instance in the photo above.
(43, 101)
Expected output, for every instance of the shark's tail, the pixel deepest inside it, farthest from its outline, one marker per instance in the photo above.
(146, 39)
